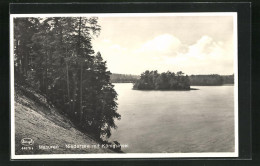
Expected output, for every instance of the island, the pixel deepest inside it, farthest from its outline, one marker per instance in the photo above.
(152, 80)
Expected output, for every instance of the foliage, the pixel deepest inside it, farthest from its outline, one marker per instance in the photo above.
(152, 80)
(228, 79)
(55, 56)
(123, 78)
(206, 80)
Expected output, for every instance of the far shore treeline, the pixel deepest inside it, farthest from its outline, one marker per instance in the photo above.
(211, 80)
(195, 80)
(123, 78)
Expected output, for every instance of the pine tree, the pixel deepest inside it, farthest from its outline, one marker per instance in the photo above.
(106, 96)
(24, 28)
(67, 71)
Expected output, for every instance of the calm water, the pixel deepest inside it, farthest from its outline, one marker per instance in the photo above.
(175, 121)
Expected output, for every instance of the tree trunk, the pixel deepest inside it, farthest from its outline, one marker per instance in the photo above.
(74, 91)
(80, 88)
(81, 111)
(18, 58)
(46, 72)
(26, 64)
(68, 86)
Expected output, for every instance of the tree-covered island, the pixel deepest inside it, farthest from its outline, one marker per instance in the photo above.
(152, 80)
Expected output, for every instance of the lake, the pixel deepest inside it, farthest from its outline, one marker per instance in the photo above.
(175, 121)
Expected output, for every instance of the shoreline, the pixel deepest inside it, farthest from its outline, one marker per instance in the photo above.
(166, 89)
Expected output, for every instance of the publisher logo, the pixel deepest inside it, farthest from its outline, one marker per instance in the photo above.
(27, 141)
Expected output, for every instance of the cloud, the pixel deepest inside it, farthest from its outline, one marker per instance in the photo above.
(207, 48)
(116, 47)
(207, 54)
(166, 52)
(109, 48)
(162, 45)
(202, 46)
(106, 41)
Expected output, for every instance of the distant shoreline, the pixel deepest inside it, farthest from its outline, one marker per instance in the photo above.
(215, 85)
(190, 85)
(195, 80)
(166, 89)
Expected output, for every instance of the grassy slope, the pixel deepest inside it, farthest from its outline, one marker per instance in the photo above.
(36, 119)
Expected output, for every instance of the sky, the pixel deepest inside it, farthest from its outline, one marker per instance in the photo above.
(191, 44)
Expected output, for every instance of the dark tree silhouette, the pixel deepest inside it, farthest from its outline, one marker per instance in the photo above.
(55, 56)
(206, 80)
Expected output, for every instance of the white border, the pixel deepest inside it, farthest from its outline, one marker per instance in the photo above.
(126, 155)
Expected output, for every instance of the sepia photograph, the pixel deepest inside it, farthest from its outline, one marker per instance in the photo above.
(124, 85)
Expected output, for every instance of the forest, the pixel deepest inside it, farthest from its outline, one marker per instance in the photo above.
(123, 78)
(228, 79)
(195, 80)
(152, 80)
(54, 55)
(211, 80)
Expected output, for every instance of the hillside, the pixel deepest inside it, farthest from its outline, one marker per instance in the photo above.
(40, 121)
